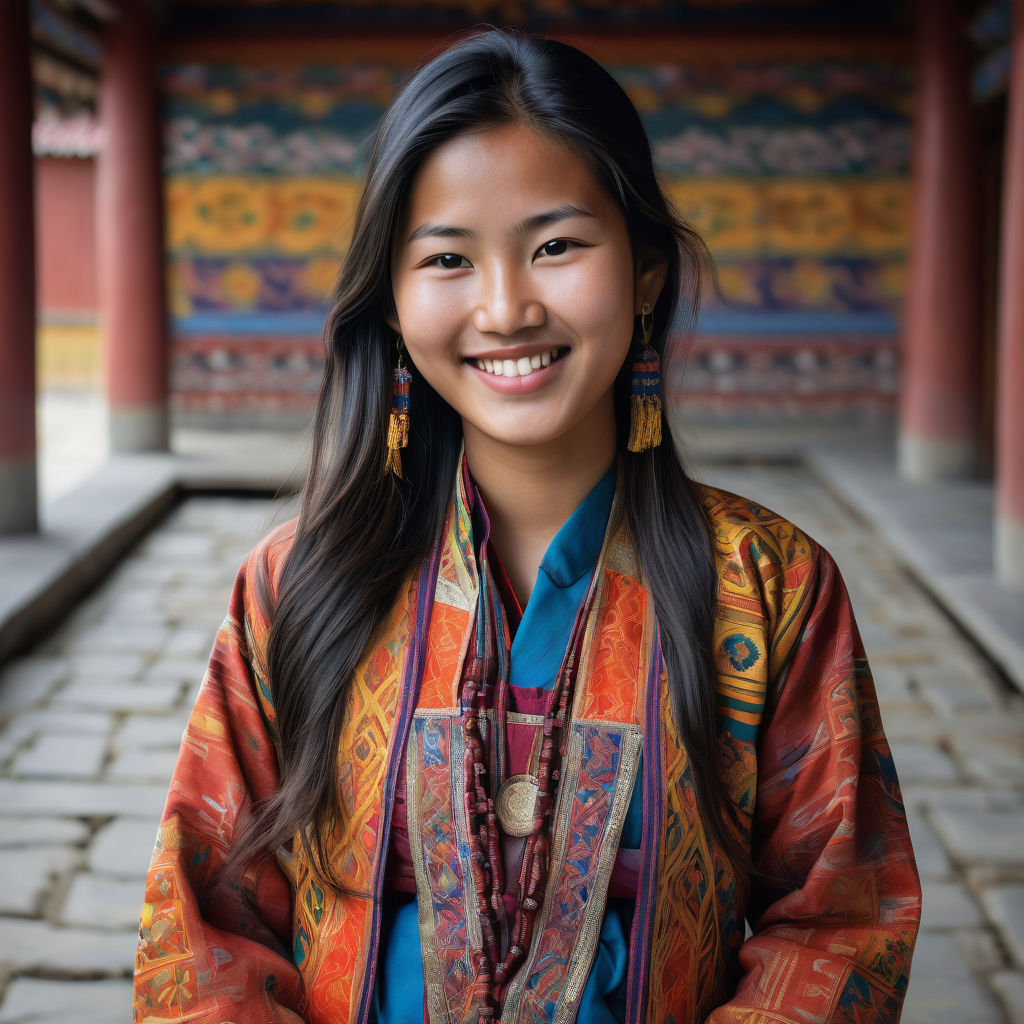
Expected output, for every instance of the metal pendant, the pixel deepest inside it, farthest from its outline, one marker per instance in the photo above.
(517, 800)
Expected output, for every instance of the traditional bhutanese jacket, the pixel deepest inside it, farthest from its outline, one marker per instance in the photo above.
(833, 911)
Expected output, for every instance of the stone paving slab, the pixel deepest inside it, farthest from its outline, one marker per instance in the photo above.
(923, 762)
(34, 946)
(15, 832)
(117, 665)
(30, 681)
(149, 765)
(38, 1001)
(185, 671)
(84, 799)
(979, 834)
(111, 635)
(62, 755)
(1004, 905)
(191, 643)
(947, 906)
(150, 730)
(23, 729)
(29, 874)
(956, 734)
(980, 950)
(993, 760)
(1009, 986)
(124, 846)
(943, 988)
(117, 696)
(97, 902)
(952, 691)
(932, 860)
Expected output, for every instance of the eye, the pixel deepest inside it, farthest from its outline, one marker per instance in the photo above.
(448, 261)
(556, 247)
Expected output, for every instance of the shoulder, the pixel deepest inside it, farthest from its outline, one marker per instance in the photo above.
(749, 538)
(256, 590)
(768, 572)
(260, 575)
(266, 561)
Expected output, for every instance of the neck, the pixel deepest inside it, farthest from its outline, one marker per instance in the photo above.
(531, 491)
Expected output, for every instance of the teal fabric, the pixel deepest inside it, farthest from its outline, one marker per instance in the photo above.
(535, 657)
(562, 581)
(399, 994)
(398, 998)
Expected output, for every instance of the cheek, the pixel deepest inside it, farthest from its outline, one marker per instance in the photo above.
(427, 317)
(431, 343)
(422, 301)
(600, 304)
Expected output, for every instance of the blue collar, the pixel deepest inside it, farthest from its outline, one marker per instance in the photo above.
(562, 583)
(574, 550)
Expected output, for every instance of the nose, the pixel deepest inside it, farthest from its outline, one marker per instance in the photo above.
(506, 303)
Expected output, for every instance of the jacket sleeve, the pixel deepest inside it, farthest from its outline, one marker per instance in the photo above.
(210, 950)
(835, 911)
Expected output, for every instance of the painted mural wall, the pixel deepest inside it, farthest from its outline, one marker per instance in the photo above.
(795, 168)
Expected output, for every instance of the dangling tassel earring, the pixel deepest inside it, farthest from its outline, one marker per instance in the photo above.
(398, 424)
(645, 390)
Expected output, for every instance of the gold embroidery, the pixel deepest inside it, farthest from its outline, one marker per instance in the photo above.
(590, 932)
(424, 905)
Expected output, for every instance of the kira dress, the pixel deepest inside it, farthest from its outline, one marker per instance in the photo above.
(643, 918)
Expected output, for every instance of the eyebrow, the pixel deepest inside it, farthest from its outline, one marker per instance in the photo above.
(539, 220)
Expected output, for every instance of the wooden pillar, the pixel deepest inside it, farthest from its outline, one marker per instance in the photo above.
(18, 501)
(940, 395)
(1009, 526)
(130, 234)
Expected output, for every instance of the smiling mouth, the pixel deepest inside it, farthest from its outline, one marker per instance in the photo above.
(521, 367)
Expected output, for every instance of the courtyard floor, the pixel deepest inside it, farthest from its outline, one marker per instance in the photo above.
(90, 722)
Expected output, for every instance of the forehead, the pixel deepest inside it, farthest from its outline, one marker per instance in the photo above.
(501, 175)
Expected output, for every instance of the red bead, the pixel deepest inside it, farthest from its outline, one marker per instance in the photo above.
(480, 680)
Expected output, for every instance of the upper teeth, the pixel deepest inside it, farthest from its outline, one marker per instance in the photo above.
(516, 367)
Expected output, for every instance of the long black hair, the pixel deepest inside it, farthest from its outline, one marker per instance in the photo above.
(361, 529)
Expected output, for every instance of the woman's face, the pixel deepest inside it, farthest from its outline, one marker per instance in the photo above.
(515, 288)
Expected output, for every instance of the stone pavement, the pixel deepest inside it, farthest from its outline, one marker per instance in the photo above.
(91, 719)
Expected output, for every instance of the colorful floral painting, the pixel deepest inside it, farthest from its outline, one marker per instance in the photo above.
(795, 172)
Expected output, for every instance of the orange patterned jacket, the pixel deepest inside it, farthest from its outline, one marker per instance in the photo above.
(801, 749)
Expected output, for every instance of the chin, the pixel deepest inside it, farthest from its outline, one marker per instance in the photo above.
(530, 439)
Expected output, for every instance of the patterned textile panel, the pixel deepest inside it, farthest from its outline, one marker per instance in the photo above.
(794, 170)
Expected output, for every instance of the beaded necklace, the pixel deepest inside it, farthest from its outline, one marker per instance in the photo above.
(535, 796)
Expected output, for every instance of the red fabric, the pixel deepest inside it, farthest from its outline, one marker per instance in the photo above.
(831, 943)
(833, 937)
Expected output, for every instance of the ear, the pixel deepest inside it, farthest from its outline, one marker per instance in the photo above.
(391, 319)
(648, 280)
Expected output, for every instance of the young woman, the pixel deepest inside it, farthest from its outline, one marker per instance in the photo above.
(517, 722)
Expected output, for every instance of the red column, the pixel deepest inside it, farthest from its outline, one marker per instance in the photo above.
(940, 395)
(130, 235)
(17, 277)
(1009, 549)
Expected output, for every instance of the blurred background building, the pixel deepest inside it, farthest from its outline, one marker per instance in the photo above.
(196, 165)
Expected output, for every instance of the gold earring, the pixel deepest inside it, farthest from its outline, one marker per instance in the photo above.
(645, 389)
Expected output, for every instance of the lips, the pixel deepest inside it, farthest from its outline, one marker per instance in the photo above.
(520, 367)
